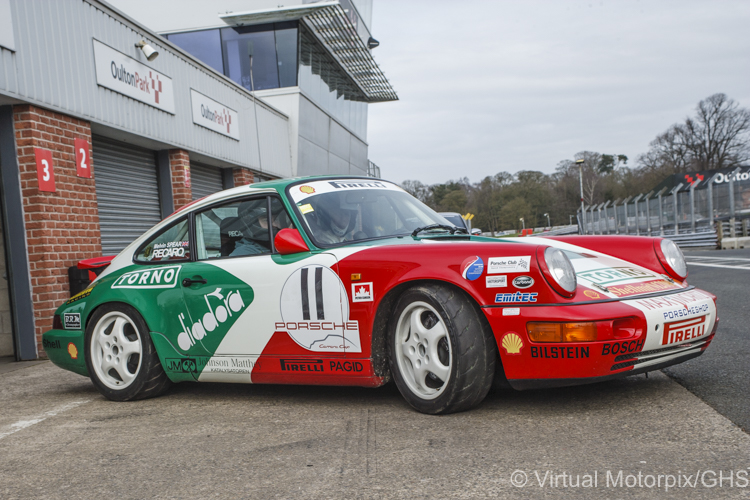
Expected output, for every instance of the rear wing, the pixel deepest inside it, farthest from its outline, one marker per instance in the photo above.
(86, 271)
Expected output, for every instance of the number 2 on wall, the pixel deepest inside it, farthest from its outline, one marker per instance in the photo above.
(45, 172)
(82, 158)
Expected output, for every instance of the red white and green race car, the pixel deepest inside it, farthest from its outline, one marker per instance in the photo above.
(352, 281)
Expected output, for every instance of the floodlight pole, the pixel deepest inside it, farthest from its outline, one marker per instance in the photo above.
(580, 179)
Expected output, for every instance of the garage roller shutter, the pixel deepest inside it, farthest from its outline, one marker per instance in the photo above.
(204, 180)
(127, 192)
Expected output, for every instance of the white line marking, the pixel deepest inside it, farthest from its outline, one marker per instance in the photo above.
(717, 265)
(716, 258)
(23, 424)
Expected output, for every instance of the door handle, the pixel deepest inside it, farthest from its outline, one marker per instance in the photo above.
(189, 282)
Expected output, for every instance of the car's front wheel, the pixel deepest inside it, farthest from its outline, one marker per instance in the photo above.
(442, 356)
(120, 356)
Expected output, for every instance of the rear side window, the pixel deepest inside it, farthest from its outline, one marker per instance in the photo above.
(169, 245)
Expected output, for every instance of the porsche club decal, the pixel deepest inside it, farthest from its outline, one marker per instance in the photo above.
(155, 277)
(225, 306)
(315, 311)
(512, 343)
(496, 265)
(472, 268)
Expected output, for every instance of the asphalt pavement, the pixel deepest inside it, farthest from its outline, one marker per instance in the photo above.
(721, 376)
(637, 437)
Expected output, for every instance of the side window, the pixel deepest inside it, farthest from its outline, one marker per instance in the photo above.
(171, 244)
(239, 228)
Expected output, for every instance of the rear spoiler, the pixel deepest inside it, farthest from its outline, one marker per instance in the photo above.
(96, 265)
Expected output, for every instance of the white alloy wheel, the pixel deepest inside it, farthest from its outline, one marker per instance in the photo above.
(116, 350)
(423, 350)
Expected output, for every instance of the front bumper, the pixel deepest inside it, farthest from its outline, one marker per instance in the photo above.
(655, 345)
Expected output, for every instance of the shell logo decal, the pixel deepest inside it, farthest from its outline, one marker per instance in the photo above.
(73, 351)
(512, 343)
(591, 294)
(307, 189)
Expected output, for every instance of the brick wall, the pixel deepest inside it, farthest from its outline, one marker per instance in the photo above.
(242, 176)
(179, 164)
(62, 227)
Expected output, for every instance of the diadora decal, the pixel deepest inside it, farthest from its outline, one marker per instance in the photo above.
(362, 292)
(515, 297)
(681, 331)
(639, 288)
(523, 281)
(315, 311)
(155, 277)
(512, 343)
(225, 306)
(72, 321)
(472, 268)
(497, 265)
(496, 281)
(607, 275)
(559, 352)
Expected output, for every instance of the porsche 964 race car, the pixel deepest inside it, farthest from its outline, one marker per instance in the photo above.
(352, 281)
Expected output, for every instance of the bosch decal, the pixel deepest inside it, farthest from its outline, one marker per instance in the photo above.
(472, 268)
(622, 347)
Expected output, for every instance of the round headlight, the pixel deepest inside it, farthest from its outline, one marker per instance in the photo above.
(561, 269)
(674, 257)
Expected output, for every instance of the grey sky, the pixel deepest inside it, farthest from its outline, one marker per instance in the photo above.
(490, 86)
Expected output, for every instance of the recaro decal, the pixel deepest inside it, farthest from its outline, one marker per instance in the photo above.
(224, 308)
(315, 311)
(155, 277)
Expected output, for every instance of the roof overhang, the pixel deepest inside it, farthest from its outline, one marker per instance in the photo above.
(331, 26)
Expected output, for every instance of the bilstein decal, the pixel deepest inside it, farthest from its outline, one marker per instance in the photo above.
(315, 311)
(155, 277)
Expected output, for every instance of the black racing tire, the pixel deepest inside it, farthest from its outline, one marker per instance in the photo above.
(465, 354)
(120, 356)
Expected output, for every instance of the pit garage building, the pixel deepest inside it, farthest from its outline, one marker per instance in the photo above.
(100, 139)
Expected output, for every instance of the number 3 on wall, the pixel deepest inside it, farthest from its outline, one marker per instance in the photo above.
(83, 162)
(45, 172)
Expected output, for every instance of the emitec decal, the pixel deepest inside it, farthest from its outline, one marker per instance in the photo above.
(315, 311)
(362, 292)
(519, 264)
(472, 268)
(502, 298)
(215, 116)
(127, 76)
(155, 277)
(220, 307)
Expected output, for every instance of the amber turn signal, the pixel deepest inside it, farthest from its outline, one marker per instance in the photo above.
(561, 332)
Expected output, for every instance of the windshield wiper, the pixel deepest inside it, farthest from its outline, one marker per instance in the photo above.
(418, 230)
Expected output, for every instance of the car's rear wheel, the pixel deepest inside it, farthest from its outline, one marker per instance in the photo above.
(120, 356)
(442, 355)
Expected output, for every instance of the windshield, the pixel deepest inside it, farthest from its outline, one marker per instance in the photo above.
(337, 211)
(455, 219)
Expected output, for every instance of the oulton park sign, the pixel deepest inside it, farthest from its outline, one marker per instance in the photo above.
(127, 76)
(214, 116)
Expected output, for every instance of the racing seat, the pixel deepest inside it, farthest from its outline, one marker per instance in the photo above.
(230, 233)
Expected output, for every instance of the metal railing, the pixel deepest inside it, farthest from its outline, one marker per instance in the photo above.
(683, 210)
(373, 170)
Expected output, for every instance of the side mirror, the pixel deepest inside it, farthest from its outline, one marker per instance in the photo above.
(289, 241)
